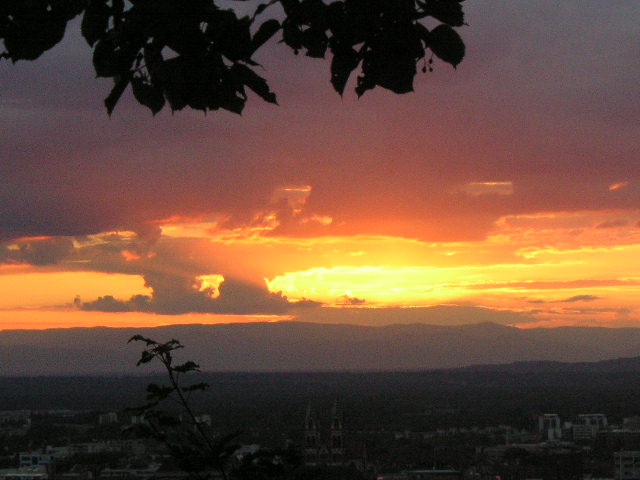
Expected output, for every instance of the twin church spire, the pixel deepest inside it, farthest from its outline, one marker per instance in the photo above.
(324, 447)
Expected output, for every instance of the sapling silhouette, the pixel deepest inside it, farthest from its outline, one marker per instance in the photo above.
(195, 449)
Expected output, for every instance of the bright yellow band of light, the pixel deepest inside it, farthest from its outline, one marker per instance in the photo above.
(43, 289)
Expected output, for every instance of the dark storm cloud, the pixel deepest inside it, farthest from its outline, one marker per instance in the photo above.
(167, 265)
(109, 303)
(547, 88)
(174, 295)
(39, 252)
(106, 252)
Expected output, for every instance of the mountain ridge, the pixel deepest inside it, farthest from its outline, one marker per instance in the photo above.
(305, 346)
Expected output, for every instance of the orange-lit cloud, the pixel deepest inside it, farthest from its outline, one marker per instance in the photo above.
(487, 188)
(527, 261)
(129, 256)
(618, 185)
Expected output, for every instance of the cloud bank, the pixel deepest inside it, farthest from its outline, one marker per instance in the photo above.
(173, 295)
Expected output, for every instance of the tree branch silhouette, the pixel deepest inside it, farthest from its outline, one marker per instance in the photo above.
(193, 448)
(193, 53)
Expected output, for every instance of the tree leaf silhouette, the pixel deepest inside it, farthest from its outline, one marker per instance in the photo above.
(148, 94)
(267, 30)
(445, 42)
(194, 53)
(95, 21)
(117, 91)
(255, 82)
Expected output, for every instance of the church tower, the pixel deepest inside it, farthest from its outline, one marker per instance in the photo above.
(336, 435)
(311, 436)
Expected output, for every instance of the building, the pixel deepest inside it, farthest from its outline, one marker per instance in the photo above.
(92, 447)
(129, 473)
(108, 418)
(422, 475)
(581, 433)
(324, 447)
(15, 417)
(626, 465)
(37, 472)
(550, 427)
(597, 421)
(35, 458)
(631, 423)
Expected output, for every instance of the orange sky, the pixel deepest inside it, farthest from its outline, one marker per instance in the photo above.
(509, 185)
(553, 268)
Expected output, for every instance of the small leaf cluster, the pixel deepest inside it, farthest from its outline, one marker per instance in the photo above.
(181, 52)
(385, 38)
(188, 441)
(192, 53)
(30, 27)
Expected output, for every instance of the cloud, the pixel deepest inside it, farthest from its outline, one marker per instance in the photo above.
(575, 298)
(372, 166)
(618, 186)
(347, 300)
(487, 188)
(580, 298)
(175, 294)
(36, 251)
(586, 311)
(305, 303)
(109, 303)
(133, 244)
(612, 224)
(549, 285)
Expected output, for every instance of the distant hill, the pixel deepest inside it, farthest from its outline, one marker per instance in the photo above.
(617, 365)
(298, 346)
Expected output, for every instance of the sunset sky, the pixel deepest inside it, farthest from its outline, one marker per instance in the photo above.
(511, 184)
